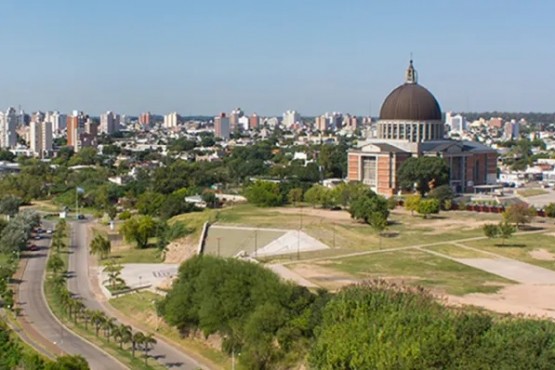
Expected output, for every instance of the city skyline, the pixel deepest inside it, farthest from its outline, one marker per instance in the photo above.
(313, 57)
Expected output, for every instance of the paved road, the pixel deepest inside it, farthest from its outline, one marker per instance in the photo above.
(36, 313)
(167, 355)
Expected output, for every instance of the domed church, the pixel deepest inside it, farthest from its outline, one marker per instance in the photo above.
(411, 124)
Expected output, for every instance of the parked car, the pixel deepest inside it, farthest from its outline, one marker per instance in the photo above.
(80, 217)
(33, 247)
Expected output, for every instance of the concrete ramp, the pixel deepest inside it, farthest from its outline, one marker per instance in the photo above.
(520, 272)
(291, 242)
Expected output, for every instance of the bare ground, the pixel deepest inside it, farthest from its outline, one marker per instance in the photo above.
(181, 249)
(317, 212)
(542, 254)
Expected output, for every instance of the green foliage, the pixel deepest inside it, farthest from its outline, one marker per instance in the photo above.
(443, 194)
(9, 205)
(149, 203)
(412, 202)
(17, 231)
(519, 214)
(427, 207)
(267, 320)
(378, 326)
(100, 246)
(424, 172)
(369, 207)
(391, 202)
(491, 230)
(264, 194)
(68, 362)
(138, 230)
(550, 210)
(333, 159)
(295, 196)
(125, 215)
(506, 230)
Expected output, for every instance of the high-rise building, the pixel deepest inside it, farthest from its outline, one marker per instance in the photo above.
(254, 121)
(350, 123)
(40, 138)
(58, 121)
(321, 123)
(234, 119)
(8, 127)
(221, 126)
(144, 119)
(290, 118)
(511, 130)
(91, 128)
(109, 123)
(171, 120)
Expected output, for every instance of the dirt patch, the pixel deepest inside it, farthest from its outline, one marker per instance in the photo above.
(181, 249)
(449, 224)
(524, 299)
(542, 254)
(324, 276)
(338, 215)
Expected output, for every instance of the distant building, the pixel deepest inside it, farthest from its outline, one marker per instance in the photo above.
(254, 121)
(145, 119)
(221, 126)
(172, 120)
(58, 121)
(40, 138)
(456, 122)
(8, 127)
(290, 118)
(109, 123)
(511, 130)
(234, 119)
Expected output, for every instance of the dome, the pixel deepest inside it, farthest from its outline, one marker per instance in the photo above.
(410, 102)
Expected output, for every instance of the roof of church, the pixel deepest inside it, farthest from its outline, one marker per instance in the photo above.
(410, 102)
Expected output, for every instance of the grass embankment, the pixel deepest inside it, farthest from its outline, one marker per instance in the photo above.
(123, 355)
(531, 192)
(140, 308)
(417, 267)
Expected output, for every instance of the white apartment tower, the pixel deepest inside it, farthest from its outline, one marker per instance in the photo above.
(40, 138)
(171, 120)
(8, 126)
(109, 123)
(290, 118)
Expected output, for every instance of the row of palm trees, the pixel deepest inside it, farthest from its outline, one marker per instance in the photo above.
(76, 310)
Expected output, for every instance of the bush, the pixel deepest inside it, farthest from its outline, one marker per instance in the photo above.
(427, 207)
(412, 202)
(264, 194)
(125, 215)
(550, 210)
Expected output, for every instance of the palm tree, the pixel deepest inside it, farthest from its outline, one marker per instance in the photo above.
(122, 334)
(87, 317)
(108, 326)
(100, 246)
(78, 308)
(113, 270)
(136, 340)
(147, 342)
(55, 263)
(98, 318)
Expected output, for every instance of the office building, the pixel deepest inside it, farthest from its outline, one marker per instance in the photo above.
(109, 123)
(221, 126)
(8, 127)
(145, 119)
(40, 138)
(290, 118)
(172, 120)
(254, 121)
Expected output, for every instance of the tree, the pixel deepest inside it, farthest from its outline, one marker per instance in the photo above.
(412, 202)
(148, 341)
(123, 334)
(136, 341)
(149, 203)
(427, 207)
(138, 230)
(550, 210)
(98, 318)
(506, 230)
(113, 270)
(314, 195)
(443, 194)
(424, 173)
(491, 230)
(519, 214)
(210, 198)
(55, 263)
(67, 362)
(264, 194)
(366, 205)
(9, 205)
(295, 196)
(100, 246)
(379, 223)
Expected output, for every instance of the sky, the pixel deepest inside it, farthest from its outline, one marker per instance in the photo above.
(268, 56)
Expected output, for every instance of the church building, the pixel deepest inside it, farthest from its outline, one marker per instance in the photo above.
(411, 125)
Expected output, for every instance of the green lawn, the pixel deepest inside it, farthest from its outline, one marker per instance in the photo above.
(519, 247)
(140, 308)
(454, 251)
(420, 268)
(531, 192)
(135, 255)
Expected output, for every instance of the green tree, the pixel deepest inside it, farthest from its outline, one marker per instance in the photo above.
(313, 195)
(67, 362)
(9, 205)
(295, 196)
(443, 194)
(149, 203)
(412, 203)
(147, 342)
(378, 222)
(100, 246)
(427, 207)
(424, 172)
(113, 270)
(55, 264)
(491, 230)
(519, 214)
(138, 230)
(264, 194)
(369, 207)
(550, 210)
(506, 230)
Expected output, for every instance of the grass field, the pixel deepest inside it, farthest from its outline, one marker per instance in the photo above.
(520, 247)
(531, 192)
(456, 251)
(140, 308)
(420, 268)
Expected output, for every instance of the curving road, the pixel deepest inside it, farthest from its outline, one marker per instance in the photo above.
(79, 283)
(36, 313)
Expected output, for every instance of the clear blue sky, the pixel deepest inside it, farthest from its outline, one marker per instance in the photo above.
(202, 57)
